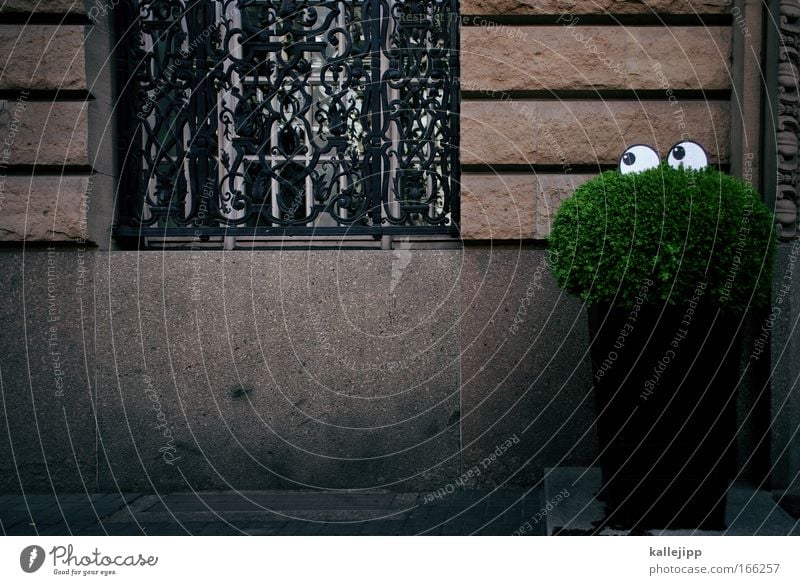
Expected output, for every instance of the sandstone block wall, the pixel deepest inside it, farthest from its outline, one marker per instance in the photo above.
(554, 91)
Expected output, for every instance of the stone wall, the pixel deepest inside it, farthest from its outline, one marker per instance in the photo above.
(329, 369)
(533, 74)
(553, 93)
(47, 93)
(781, 168)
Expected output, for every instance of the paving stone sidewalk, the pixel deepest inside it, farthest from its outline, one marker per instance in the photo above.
(279, 513)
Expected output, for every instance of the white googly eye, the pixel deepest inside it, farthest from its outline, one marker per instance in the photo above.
(638, 158)
(689, 155)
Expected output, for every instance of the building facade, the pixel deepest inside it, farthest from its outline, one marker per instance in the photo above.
(346, 355)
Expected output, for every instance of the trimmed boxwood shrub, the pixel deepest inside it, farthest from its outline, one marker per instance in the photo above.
(676, 228)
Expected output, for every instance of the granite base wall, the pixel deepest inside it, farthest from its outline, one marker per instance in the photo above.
(401, 370)
(782, 331)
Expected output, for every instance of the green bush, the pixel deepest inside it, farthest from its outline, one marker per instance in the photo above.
(679, 229)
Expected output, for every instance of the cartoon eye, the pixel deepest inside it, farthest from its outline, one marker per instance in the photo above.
(638, 158)
(689, 155)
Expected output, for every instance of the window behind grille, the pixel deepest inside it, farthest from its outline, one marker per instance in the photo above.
(254, 120)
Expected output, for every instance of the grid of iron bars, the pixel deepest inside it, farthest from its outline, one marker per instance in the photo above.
(288, 118)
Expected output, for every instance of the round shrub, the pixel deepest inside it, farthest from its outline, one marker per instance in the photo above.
(675, 228)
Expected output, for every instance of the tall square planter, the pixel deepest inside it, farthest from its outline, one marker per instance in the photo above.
(666, 381)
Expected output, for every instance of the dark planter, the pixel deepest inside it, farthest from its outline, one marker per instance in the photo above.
(665, 390)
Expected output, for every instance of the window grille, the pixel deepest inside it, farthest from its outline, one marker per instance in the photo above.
(259, 118)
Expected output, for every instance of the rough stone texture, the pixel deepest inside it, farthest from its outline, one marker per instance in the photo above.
(43, 133)
(586, 132)
(748, 511)
(47, 372)
(524, 7)
(45, 6)
(552, 190)
(44, 208)
(279, 370)
(102, 191)
(591, 57)
(497, 207)
(387, 369)
(785, 383)
(102, 145)
(42, 57)
(98, 45)
(513, 206)
(532, 380)
(469, 6)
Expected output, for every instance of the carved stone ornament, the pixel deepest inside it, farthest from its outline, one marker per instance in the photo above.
(788, 121)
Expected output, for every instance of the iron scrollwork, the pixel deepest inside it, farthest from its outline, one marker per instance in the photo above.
(265, 117)
(788, 119)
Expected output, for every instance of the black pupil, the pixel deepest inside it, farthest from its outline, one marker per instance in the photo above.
(629, 158)
(679, 153)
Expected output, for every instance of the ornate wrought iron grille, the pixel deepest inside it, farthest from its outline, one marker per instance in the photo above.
(283, 117)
